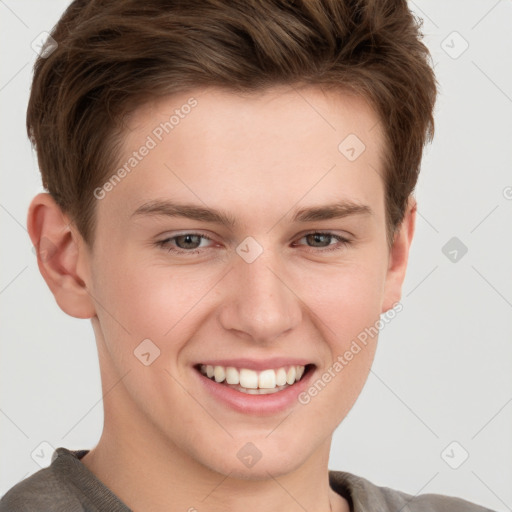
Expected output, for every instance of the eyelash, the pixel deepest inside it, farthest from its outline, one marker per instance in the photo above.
(164, 244)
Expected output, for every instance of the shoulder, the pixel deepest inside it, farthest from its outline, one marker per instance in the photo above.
(367, 497)
(43, 490)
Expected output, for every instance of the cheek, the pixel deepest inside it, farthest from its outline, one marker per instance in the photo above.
(347, 299)
(150, 301)
(347, 305)
(165, 301)
(146, 298)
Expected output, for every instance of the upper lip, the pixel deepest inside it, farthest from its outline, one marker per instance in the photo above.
(257, 365)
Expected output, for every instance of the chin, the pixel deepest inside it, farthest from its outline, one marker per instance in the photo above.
(245, 461)
(262, 470)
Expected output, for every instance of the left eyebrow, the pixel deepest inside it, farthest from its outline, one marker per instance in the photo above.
(167, 208)
(332, 211)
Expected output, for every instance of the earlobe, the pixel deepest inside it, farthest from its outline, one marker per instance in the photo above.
(399, 256)
(58, 251)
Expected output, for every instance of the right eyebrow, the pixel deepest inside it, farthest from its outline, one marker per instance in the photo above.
(190, 211)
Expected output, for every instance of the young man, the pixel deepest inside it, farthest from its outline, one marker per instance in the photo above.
(230, 203)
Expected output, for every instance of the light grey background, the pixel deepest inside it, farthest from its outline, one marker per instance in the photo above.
(443, 369)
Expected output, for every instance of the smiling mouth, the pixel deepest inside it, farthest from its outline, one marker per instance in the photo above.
(254, 382)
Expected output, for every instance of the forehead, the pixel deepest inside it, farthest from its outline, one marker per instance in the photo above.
(332, 107)
(210, 145)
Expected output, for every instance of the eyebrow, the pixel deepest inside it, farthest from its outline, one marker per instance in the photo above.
(168, 208)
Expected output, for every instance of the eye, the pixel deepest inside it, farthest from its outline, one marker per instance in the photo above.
(186, 242)
(320, 237)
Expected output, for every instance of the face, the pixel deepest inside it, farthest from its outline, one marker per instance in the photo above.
(219, 250)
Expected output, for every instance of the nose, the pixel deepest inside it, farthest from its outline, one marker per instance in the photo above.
(259, 299)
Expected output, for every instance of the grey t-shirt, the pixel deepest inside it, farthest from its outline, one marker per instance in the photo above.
(67, 485)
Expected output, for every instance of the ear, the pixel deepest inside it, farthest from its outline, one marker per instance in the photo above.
(59, 248)
(398, 257)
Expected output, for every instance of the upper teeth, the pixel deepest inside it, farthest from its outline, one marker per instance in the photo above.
(266, 379)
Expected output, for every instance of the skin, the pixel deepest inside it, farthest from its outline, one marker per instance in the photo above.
(258, 156)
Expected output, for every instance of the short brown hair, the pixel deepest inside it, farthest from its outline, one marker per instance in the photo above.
(113, 56)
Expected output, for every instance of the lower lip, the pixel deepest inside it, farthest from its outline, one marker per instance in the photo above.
(256, 404)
